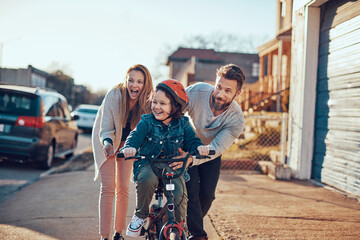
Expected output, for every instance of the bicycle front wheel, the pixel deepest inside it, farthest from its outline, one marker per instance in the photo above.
(173, 234)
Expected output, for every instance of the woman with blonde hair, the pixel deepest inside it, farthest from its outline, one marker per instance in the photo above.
(118, 114)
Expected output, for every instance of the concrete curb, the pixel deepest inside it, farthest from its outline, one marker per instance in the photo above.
(65, 166)
(210, 229)
(62, 166)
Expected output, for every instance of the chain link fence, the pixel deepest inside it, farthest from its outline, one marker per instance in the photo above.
(264, 139)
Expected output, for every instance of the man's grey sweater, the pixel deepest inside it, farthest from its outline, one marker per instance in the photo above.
(218, 132)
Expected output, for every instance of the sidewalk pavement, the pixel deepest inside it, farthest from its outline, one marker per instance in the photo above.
(247, 206)
(253, 206)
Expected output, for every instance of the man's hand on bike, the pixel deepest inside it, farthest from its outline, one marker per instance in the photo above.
(129, 152)
(178, 165)
(108, 149)
(203, 150)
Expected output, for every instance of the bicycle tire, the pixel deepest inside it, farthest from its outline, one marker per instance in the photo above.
(173, 235)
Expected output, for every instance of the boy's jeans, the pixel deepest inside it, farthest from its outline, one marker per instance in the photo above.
(146, 183)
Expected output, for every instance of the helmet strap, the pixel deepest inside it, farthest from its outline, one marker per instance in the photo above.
(167, 118)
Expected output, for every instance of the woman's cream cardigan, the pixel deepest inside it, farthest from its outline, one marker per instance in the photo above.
(108, 124)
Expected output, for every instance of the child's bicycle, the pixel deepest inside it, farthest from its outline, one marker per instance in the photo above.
(171, 230)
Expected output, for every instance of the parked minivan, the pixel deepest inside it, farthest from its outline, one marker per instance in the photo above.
(35, 125)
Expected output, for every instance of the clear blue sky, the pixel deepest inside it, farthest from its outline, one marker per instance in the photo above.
(96, 41)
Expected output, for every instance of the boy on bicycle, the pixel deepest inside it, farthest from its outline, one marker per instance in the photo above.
(159, 135)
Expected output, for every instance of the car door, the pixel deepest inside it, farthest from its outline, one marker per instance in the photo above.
(70, 127)
(54, 120)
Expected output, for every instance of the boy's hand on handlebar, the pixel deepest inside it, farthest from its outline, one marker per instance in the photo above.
(129, 152)
(108, 149)
(203, 150)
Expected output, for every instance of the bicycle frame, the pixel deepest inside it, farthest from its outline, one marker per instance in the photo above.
(171, 229)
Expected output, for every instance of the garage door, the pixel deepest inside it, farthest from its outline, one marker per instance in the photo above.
(337, 125)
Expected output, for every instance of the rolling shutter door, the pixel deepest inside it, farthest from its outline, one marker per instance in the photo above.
(337, 125)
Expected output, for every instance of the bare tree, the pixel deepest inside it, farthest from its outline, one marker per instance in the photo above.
(55, 66)
(225, 42)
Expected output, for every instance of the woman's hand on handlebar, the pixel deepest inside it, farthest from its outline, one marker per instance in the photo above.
(129, 152)
(108, 149)
(203, 150)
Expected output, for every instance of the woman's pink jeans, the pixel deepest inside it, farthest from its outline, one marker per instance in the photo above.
(114, 183)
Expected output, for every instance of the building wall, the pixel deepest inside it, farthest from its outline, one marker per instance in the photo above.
(15, 76)
(336, 158)
(175, 67)
(304, 55)
(284, 15)
(37, 80)
(245, 62)
(202, 64)
(206, 72)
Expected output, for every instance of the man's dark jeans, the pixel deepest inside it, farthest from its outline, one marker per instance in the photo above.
(201, 194)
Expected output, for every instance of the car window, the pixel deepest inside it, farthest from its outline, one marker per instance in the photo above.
(66, 110)
(60, 109)
(16, 103)
(53, 111)
(50, 105)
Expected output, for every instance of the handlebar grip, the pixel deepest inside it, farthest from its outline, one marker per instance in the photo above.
(211, 152)
(121, 155)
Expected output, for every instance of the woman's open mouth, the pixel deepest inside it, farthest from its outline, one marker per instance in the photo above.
(134, 93)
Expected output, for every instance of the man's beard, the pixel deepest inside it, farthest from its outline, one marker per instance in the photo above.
(219, 107)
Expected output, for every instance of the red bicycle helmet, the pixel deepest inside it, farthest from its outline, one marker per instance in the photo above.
(177, 91)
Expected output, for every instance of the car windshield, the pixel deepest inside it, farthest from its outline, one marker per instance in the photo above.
(16, 103)
(87, 110)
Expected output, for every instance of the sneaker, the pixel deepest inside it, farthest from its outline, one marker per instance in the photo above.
(134, 228)
(118, 236)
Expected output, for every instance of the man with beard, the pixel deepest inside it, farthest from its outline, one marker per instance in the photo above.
(218, 121)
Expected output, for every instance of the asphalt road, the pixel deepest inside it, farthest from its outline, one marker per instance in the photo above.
(15, 176)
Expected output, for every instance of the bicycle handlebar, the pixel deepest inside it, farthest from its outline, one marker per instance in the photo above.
(121, 155)
(168, 160)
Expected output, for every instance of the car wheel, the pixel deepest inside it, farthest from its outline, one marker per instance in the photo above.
(47, 162)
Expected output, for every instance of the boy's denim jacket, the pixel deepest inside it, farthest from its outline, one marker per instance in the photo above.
(150, 138)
